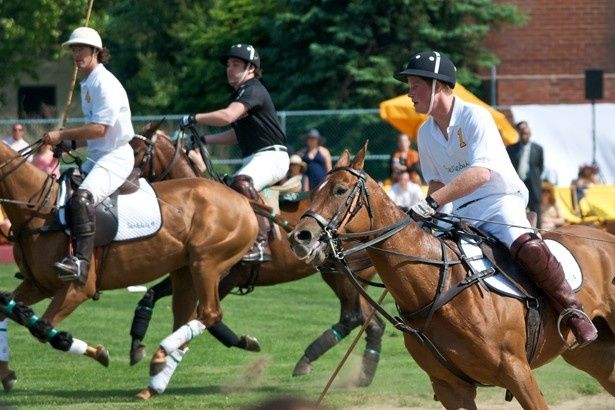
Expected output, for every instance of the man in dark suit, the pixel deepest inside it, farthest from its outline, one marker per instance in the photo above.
(527, 158)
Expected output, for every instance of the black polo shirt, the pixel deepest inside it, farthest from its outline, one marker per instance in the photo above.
(260, 128)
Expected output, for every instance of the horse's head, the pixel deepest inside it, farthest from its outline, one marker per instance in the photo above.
(158, 157)
(340, 203)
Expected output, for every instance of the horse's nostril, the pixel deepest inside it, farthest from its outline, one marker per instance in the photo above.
(303, 236)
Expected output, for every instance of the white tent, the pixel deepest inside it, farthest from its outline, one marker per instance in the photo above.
(565, 133)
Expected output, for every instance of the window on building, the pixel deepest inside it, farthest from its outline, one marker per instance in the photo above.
(36, 101)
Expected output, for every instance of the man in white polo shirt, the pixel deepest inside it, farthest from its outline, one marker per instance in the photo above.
(107, 132)
(464, 161)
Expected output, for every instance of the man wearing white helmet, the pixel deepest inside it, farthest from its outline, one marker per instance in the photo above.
(256, 128)
(464, 161)
(107, 131)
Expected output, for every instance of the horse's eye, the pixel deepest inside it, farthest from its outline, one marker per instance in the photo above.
(340, 189)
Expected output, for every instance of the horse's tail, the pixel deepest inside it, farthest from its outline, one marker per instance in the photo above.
(268, 212)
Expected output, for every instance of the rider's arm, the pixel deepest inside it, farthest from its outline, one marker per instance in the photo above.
(467, 182)
(223, 117)
(79, 134)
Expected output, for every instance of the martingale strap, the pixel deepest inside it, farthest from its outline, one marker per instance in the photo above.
(399, 324)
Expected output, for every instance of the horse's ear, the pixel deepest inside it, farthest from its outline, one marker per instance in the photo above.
(359, 160)
(149, 129)
(344, 159)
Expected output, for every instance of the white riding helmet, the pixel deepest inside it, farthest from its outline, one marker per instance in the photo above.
(84, 35)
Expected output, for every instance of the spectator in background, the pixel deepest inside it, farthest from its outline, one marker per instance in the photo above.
(16, 140)
(404, 192)
(45, 160)
(586, 178)
(317, 158)
(405, 159)
(293, 182)
(528, 159)
(552, 214)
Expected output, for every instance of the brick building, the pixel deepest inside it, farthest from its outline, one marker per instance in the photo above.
(544, 61)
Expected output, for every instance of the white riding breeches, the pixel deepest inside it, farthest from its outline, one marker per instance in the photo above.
(265, 168)
(108, 172)
(503, 217)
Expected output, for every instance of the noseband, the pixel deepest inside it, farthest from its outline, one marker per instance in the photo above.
(346, 212)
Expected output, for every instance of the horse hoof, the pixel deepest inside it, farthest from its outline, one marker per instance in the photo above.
(8, 382)
(145, 394)
(102, 355)
(249, 343)
(137, 354)
(302, 367)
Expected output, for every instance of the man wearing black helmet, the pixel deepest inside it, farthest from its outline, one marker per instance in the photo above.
(256, 128)
(464, 161)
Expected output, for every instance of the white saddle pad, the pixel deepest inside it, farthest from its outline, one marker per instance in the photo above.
(138, 213)
(501, 283)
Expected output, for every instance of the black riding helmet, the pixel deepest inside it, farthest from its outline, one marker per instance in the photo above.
(244, 52)
(430, 64)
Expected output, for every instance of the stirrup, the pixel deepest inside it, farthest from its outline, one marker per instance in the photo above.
(569, 312)
(72, 268)
(253, 258)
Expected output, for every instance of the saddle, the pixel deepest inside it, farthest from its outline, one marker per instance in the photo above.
(107, 211)
(485, 257)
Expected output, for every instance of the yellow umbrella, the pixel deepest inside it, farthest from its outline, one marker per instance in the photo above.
(399, 112)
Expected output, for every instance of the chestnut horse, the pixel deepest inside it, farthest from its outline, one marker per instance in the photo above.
(206, 228)
(480, 335)
(163, 158)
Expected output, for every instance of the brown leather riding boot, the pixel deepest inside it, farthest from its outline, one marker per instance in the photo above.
(259, 252)
(538, 261)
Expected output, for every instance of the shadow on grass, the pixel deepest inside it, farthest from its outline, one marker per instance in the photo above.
(34, 398)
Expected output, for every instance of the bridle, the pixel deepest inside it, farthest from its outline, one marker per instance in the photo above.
(148, 156)
(358, 197)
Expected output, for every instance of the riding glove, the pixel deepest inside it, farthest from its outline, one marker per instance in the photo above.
(425, 208)
(187, 120)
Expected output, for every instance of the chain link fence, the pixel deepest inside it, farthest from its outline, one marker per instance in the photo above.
(342, 129)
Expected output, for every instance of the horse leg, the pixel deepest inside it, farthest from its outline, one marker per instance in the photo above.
(63, 303)
(143, 315)
(350, 317)
(173, 348)
(597, 358)
(220, 330)
(371, 355)
(455, 395)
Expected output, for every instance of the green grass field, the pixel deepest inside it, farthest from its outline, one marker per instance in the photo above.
(285, 318)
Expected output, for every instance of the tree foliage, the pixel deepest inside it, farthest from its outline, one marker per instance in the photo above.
(315, 54)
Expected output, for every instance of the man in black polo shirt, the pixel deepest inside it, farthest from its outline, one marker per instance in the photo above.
(256, 128)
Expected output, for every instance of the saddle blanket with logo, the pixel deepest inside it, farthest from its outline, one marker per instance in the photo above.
(138, 213)
(502, 284)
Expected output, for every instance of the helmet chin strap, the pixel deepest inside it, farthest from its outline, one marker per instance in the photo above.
(433, 94)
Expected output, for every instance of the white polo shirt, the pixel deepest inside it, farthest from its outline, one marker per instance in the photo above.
(104, 101)
(473, 140)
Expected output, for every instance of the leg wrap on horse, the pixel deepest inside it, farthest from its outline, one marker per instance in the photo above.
(323, 343)
(61, 341)
(182, 335)
(160, 381)
(4, 341)
(78, 347)
(535, 257)
(224, 334)
(373, 334)
(260, 252)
